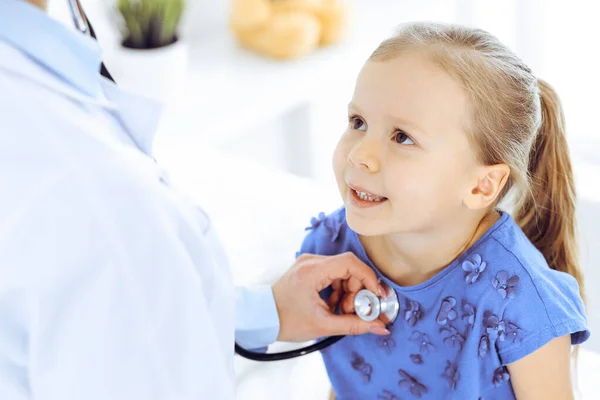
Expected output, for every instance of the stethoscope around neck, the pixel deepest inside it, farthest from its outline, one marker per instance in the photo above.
(82, 23)
(367, 305)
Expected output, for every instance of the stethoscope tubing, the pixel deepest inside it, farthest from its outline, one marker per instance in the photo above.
(84, 25)
(286, 355)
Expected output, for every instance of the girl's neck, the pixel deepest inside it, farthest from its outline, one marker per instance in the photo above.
(410, 259)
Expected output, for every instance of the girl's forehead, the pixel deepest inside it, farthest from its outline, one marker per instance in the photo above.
(412, 87)
(412, 75)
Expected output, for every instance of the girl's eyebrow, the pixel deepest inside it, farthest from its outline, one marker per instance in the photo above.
(352, 106)
(411, 125)
(405, 122)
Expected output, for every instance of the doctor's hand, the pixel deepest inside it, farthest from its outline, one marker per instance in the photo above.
(304, 315)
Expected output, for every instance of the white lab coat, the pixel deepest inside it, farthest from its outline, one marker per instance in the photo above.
(112, 285)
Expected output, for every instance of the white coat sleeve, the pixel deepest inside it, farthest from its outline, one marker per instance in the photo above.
(115, 307)
(257, 320)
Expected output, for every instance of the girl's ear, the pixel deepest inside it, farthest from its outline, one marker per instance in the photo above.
(490, 182)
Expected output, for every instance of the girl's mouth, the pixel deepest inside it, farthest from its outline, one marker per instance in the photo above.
(362, 199)
(366, 196)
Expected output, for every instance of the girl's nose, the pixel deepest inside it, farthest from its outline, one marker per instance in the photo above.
(365, 155)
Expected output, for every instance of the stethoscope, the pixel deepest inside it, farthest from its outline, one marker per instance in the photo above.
(367, 305)
(82, 23)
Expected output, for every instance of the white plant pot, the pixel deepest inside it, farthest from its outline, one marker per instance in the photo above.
(155, 73)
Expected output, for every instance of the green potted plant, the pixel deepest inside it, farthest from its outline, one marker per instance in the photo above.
(151, 58)
(150, 24)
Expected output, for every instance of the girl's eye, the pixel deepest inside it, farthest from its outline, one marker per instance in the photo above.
(357, 123)
(402, 138)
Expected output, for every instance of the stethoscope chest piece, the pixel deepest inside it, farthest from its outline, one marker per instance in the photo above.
(366, 305)
(370, 307)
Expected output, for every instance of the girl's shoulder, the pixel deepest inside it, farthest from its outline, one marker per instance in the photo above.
(526, 298)
(519, 270)
(516, 269)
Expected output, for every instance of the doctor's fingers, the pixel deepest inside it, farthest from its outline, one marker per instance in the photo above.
(342, 266)
(336, 295)
(337, 284)
(342, 299)
(353, 285)
(347, 303)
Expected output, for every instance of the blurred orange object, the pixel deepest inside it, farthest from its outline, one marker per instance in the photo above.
(288, 29)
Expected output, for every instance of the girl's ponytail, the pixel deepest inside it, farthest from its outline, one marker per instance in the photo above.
(547, 214)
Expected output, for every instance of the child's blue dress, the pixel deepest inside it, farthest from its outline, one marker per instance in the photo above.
(456, 332)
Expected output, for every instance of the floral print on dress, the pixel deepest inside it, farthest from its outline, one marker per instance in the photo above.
(447, 312)
(359, 364)
(332, 225)
(422, 340)
(387, 395)
(484, 346)
(417, 359)
(473, 268)
(500, 376)
(468, 314)
(316, 221)
(413, 312)
(513, 332)
(386, 343)
(452, 338)
(495, 328)
(411, 384)
(487, 313)
(451, 374)
(505, 286)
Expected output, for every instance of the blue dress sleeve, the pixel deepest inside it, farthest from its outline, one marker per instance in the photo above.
(549, 307)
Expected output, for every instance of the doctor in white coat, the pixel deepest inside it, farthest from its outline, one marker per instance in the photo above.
(111, 285)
